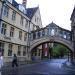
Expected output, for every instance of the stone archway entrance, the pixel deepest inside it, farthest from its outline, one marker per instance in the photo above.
(44, 50)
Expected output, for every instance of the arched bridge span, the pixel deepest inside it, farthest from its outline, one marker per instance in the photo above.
(51, 33)
(51, 39)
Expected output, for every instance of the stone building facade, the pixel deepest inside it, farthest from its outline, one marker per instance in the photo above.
(15, 25)
(73, 30)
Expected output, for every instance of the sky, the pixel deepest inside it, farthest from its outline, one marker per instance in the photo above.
(57, 11)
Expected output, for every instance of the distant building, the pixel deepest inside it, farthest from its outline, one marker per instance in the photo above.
(16, 21)
(73, 28)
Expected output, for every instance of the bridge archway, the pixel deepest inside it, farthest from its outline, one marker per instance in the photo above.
(54, 39)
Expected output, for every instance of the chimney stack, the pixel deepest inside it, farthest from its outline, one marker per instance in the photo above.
(24, 3)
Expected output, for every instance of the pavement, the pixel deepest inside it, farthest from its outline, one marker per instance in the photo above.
(69, 65)
(48, 67)
(20, 64)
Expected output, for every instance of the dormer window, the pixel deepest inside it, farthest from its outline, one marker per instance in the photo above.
(22, 8)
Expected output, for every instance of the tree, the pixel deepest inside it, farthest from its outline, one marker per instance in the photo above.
(59, 50)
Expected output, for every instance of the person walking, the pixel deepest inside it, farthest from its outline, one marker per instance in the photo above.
(1, 60)
(14, 61)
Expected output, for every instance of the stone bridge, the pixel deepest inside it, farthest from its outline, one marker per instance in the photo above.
(51, 33)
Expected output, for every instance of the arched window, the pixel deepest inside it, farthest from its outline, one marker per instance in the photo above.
(52, 32)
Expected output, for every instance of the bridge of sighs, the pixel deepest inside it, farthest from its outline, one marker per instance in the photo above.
(51, 34)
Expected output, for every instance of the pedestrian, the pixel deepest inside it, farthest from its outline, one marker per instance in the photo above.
(14, 61)
(1, 60)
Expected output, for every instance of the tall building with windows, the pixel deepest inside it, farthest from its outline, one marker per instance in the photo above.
(16, 21)
(73, 29)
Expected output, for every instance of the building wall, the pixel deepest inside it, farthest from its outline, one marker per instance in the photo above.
(36, 19)
(6, 39)
(15, 49)
(73, 30)
(18, 18)
(20, 23)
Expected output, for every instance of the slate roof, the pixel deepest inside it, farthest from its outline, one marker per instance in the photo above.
(15, 4)
(31, 12)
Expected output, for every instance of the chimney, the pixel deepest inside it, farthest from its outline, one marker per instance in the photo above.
(24, 3)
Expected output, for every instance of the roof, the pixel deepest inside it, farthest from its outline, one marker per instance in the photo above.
(73, 14)
(52, 24)
(15, 4)
(55, 25)
(31, 12)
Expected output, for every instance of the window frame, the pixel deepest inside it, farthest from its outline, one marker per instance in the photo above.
(3, 28)
(25, 36)
(19, 50)
(13, 15)
(24, 50)
(22, 20)
(6, 11)
(12, 32)
(26, 25)
(10, 46)
(20, 35)
(2, 48)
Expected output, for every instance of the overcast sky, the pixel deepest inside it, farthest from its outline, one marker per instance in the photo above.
(58, 11)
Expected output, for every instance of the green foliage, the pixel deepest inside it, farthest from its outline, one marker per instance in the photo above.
(59, 50)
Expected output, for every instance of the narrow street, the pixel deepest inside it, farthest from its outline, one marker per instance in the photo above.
(48, 67)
